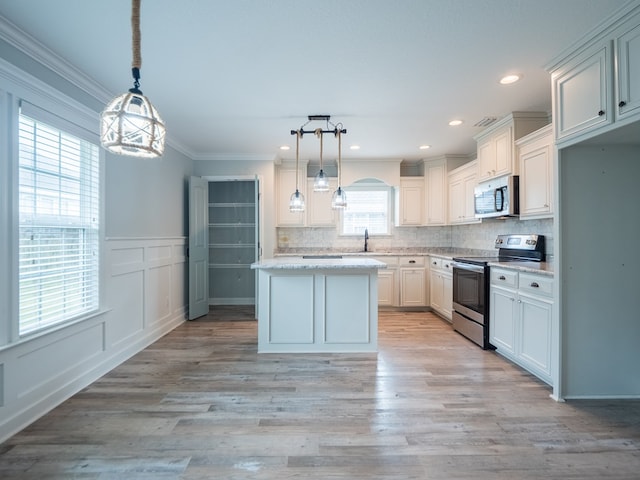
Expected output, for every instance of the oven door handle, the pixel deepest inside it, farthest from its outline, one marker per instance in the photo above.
(468, 266)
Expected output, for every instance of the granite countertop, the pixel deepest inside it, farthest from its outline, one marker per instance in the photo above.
(543, 268)
(443, 252)
(317, 262)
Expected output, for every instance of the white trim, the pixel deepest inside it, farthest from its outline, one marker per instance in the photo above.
(46, 57)
(31, 47)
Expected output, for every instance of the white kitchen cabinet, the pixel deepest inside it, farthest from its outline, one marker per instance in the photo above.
(582, 91)
(285, 187)
(441, 286)
(598, 84)
(388, 281)
(435, 177)
(495, 145)
(412, 282)
(411, 201)
(319, 211)
(535, 156)
(462, 182)
(521, 319)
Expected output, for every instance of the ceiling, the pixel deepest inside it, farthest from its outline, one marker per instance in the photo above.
(232, 78)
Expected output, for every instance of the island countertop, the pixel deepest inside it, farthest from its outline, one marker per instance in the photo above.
(317, 262)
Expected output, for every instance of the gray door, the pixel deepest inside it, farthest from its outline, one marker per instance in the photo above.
(198, 247)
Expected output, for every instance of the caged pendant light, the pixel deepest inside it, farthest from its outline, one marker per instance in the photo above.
(130, 124)
(296, 202)
(321, 181)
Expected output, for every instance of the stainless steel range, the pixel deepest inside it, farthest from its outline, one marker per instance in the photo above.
(471, 283)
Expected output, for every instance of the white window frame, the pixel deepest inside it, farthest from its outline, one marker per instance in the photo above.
(368, 186)
(17, 86)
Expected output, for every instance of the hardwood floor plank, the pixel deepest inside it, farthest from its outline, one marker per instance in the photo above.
(201, 403)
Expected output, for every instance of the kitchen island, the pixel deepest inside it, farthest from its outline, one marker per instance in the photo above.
(317, 304)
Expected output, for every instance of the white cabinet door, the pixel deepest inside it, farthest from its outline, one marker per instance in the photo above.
(319, 211)
(495, 154)
(581, 92)
(436, 193)
(447, 296)
(462, 182)
(535, 334)
(503, 159)
(628, 75)
(437, 291)
(535, 155)
(502, 324)
(286, 185)
(411, 201)
(412, 287)
(456, 201)
(386, 287)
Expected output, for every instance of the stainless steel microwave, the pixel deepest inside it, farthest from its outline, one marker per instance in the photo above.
(499, 197)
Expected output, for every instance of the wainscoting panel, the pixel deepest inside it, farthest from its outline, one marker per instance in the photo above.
(144, 297)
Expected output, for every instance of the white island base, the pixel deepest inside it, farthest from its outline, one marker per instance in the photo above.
(317, 305)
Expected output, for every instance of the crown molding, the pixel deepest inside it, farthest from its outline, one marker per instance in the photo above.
(46, 57)
(32, 48)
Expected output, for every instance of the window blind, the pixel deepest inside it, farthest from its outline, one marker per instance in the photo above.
(366, 209)
(58, 250)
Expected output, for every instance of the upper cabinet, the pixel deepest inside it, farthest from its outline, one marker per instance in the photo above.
(535, 157)
(496, 149)
(462, 182)
(596, 87)
(411, 201)
(286, 186)
(319, 210)
(436, 181)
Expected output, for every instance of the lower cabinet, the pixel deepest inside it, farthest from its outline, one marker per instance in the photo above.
(388, 282)
(441, 286)
(413, 291)
(403, 283)
(521, 320)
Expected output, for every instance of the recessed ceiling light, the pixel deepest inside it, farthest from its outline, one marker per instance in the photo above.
(355, 147)
(285, 147)
(424, 147)
(508, 79)
(455, 123)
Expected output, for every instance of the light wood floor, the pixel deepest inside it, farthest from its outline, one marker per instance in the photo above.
(202, 404)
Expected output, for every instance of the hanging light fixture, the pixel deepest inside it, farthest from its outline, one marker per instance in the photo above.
(339, 198)
(130, 124)
(321, 181)
(296, 202)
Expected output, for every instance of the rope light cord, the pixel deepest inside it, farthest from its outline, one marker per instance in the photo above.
(297, 155)
(136, 62)
(318, 133)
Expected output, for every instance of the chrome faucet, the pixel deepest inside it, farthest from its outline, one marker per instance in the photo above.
(366, 239)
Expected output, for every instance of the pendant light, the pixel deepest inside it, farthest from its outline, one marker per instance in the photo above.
(321, 181)
(339, 198)
(130, 124)
(296, 202)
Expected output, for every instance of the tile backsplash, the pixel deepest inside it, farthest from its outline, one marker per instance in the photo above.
(475, 236)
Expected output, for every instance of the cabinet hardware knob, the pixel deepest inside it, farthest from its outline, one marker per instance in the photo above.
(534, 284)
(601, 113)
(622, 103)
(446, 265)
(502, 277)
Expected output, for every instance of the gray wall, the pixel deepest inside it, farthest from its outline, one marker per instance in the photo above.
(599, 235)
(146, 197)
